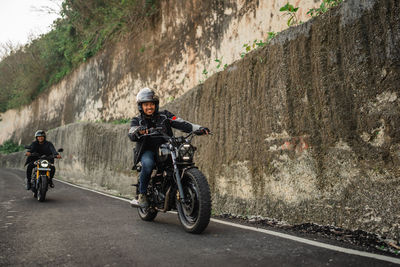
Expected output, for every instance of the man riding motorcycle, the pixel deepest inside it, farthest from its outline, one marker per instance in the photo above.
(151, 117)
(42, 147)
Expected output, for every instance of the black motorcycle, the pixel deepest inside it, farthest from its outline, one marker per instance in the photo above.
(176, 183)
(41, 174)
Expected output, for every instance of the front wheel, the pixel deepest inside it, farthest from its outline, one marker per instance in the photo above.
(195, 213)
(42, 188)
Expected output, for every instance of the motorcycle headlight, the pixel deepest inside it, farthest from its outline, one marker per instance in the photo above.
(186, 152)
(44, 164)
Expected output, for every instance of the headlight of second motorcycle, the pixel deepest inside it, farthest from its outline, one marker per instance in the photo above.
(44, 164)
(186, 152)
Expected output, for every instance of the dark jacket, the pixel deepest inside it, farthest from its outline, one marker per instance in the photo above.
(164, 119)
(47, 148)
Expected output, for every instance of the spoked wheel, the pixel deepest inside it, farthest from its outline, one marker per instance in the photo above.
(195, 213)
(42, 188)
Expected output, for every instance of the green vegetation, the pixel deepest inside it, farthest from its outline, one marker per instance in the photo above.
(219, 63)
(325, 5)
(271, 35)
(257, 43)
(10, 147)
(248, 47)
(290, 11)
(85, 27)
(121, 121)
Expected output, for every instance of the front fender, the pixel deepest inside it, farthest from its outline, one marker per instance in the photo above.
(188, 168)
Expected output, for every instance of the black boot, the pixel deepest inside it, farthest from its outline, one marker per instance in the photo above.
(51, 183)
(28, 184)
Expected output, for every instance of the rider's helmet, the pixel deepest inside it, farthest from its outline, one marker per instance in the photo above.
(146, 95)
(40, 133)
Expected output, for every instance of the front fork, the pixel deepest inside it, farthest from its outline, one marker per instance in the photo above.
(38, 175)
(177, 176)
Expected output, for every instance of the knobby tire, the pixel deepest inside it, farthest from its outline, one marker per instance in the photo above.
(195, 216)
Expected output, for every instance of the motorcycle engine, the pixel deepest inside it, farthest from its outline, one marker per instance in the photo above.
(163, 153)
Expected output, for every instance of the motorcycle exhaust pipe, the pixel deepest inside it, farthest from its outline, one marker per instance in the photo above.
(166, 200)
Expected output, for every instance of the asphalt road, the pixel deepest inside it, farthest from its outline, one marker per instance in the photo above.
(75, 227)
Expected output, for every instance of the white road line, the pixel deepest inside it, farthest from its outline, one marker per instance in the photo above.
(269, 232)
(92, 190)
(312, 243)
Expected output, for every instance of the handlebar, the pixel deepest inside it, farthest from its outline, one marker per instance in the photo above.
(35, 154)
(157, 132)
(43, 156)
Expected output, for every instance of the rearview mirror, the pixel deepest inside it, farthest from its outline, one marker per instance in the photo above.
(60, 150)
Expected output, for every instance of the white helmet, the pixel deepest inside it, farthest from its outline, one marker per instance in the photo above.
(146, 95)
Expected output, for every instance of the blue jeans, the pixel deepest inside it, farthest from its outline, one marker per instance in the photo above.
(148, 163)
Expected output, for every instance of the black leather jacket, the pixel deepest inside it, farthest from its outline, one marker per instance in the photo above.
(164, 119)
(47, 148)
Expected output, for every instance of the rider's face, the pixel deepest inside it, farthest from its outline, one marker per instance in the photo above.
(149, 108)
(40, 139)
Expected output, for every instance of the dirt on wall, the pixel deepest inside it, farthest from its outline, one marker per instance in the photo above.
(305, 129)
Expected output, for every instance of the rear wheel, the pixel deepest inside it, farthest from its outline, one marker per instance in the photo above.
(147, 214)
(42, 188)
(195, 213)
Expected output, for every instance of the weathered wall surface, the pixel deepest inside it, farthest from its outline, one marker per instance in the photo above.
(305, 129)
(170, 56)
(95, 155)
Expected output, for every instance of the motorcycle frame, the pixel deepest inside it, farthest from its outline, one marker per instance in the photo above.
(174, 156)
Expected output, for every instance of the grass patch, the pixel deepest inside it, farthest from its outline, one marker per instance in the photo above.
(9, 147)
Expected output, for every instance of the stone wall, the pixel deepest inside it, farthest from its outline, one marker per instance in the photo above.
(306, 129)
(169, 56)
